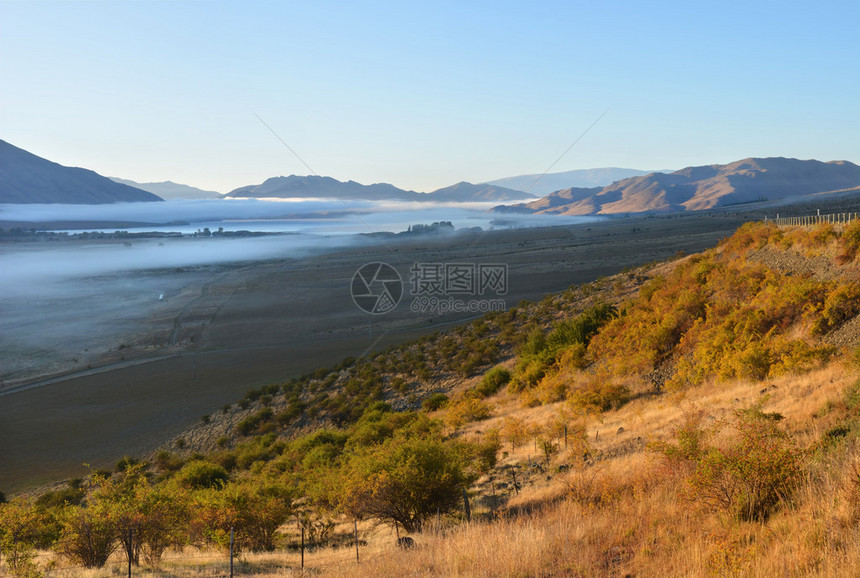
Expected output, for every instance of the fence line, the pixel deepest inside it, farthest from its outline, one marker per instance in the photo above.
(811, 220)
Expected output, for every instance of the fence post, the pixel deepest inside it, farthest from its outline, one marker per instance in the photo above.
(355, 527)
(231, 551)
(495, 501)
(303, 547)
(129, 551)
(466, 506)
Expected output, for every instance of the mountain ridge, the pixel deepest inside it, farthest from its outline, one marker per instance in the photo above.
(702, 188)
(544, 184)
(296, 186)
(28, 178)
(170, 190)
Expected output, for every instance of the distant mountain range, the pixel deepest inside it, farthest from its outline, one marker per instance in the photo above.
(26, 178)
(294, 187)
(171, 190)
(582, 178)
(701, 188)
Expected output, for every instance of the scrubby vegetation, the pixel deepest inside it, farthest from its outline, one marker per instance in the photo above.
(696, 418)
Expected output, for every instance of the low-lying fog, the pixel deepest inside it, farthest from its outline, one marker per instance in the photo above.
(323, 216)
(62, 301)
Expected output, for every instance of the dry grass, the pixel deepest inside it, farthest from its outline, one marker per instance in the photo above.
(624, 514)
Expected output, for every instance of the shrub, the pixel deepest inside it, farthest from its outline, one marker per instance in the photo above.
(514, 430)
(23, 528)
(600, 395)
(747, 477)
(254, 511)
(435, 402)
(126, 462)
(840, 305)
(493, 381)
(167, 461)
(254, 422)
(849, 241)
(200, 474)
(466, 409)
(405, 480)
(87, 536)
(59, 498)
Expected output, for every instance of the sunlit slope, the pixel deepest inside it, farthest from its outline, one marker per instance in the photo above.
(697, 417)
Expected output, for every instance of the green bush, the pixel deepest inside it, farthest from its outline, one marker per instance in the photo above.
(254, 422)
(539, 351)
(435, 402)
(200, 474)
(59, 498)
(493, 381)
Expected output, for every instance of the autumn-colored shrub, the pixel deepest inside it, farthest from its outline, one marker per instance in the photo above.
(600, 395)
(253, 510)
(23, 528)
(405, 480)
(465, 409)
(747, 476)
(88, 535)
(514, 431)
(841, 304)
(849, 241)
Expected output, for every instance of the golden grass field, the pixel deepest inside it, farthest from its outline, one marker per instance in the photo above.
(624, 516)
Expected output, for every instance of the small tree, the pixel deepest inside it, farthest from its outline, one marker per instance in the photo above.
(515, 431)
(252, 509)
(21, 530)
(88, 536)
(403, 481)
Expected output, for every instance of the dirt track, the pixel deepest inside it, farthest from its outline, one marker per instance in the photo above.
(256, 324)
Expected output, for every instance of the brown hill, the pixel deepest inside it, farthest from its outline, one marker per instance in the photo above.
(705, 187)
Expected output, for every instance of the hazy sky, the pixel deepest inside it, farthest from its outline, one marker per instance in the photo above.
(424, 94)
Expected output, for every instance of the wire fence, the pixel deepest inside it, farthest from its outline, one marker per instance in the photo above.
(812, 220)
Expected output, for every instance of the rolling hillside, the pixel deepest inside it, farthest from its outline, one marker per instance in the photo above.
(170, 190)
(538, 184)
(701, 188)
(695, 417)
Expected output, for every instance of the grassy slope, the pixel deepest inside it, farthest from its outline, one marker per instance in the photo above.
(624, 509)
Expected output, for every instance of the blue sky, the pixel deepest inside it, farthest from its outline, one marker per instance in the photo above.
(423, 95)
